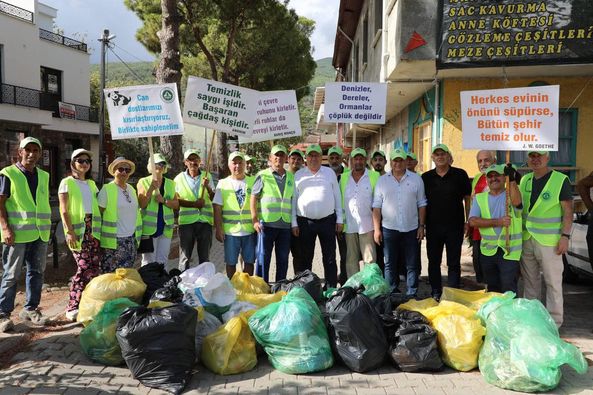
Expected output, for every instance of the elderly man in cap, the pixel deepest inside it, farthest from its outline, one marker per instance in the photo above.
(399, 209)
(271, 202)
(378, 161)
(195, 213)
(547, 222)
(25, 221)
(249, 165)
(357, 188)
(334, 160)
(488, 214)
(317, 212)
(447, 189)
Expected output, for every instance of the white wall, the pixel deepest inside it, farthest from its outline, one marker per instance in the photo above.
(26, 4)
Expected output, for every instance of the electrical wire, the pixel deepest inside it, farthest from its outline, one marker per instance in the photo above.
(140, 79)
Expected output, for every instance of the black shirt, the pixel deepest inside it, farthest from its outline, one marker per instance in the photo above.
(538, 184)
(445, 196)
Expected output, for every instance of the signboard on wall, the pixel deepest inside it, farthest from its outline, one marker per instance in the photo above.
(515, 119)
(515, 32)
(355, 102)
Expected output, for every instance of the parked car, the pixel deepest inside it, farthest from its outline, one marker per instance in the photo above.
(576, 260)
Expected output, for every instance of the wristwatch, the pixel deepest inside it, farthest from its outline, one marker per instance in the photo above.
(565, 235)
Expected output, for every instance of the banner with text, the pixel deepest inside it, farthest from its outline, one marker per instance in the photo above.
(219, 106)
(277, 117)
(143, 111)
(355, 102)
(515, 119)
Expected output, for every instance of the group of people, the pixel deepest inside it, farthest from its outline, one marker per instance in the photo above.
(373, 216)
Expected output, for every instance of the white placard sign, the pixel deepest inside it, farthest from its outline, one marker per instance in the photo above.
(355, 102)
(143, 111)
(277, 117)
(514, 119)
(219, 106)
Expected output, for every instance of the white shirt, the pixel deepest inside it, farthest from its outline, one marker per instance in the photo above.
(358, 209)
(399, 200)
(316, 195)
(85, 191)
(126, 211)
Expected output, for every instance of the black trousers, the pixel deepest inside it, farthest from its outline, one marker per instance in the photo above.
(437, 237)
(343, 251)
(476, 260)
(325, 230)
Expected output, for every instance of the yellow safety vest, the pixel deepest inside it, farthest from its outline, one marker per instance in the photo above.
(77, 212)
(29, 220)
(344, 178)
(491, 241)
(235, 219)
(150, 213)
(190, 215)
(110, 216)
(274, 206)
(544, 220)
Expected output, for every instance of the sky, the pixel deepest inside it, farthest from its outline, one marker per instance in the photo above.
(87, 18)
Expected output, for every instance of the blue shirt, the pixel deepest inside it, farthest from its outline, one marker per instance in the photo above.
(496, 204)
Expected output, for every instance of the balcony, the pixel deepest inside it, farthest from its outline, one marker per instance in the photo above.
(19, 96)
(65, 41)
(17, 12)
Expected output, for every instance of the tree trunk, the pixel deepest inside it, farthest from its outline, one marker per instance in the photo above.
(169, 71)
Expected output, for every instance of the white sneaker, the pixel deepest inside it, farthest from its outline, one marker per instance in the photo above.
(71, 315)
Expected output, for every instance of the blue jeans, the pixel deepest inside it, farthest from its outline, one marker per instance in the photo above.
(33, 254)
(273, 238)
(499, 274)
(235, 245)
(406, 244)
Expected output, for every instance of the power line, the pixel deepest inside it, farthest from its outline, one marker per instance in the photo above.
(127, 66)
(129, 53)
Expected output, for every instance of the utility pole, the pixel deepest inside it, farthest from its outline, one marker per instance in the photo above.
(104, 40)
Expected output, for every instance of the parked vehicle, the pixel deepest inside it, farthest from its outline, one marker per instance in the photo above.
(576, 260)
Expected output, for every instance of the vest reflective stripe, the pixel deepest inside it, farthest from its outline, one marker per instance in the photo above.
(491, 241)
(345, 178)
(189, 215)
(273, 206)
(28, 219)
(234, 218)
(109, 222)
(544, 221)
(77, 213)
(150, 213)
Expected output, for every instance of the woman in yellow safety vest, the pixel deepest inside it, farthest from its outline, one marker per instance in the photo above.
(81, 220)
(121, 225)
(157, 199)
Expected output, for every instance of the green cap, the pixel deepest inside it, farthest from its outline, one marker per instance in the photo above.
(297, 152)
(159, 158)
(335, 150)
(398, 153)
(236, 154)
(189, 152)
(358, 151)
(314, 148)
(248, 158)
(28, 140)
(412, 155)
(495, 169)
(278, 148)
(378, 152)
(441, 146)
(538, 152)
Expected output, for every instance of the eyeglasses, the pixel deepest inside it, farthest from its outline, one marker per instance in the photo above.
(127, 195)
(124, 169)
(83, 161)
(161, 164)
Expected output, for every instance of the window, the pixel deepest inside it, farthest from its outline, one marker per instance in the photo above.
(378, 15)
(51, 81)
(365, 39)
(425, 147)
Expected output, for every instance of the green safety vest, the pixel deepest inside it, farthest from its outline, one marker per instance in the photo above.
(274, 206)
(150, 213)
(109, 222)
(235, 219)
(28, 221)
(544, 220)
(491, 241)
(77, 212)
(344, 178)
(190, 215)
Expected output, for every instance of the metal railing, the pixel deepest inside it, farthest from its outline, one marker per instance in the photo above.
(62, 40)
(20, 96)
(16, 12)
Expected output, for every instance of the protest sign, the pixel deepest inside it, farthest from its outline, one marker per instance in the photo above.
(143, 111)
(515, 119)
(219, 106)
(355, 102)
(277, 117)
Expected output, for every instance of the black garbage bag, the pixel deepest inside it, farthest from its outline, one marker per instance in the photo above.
(169, 292)
(385, 306)
(356, 330)
(305, 279)
(154, 276)
(158, 345)
(414, 347)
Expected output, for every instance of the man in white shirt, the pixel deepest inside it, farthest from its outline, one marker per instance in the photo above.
(357, 196)
(317, 212)
(399, 211)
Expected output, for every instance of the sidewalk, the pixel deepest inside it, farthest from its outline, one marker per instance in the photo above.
(53, 362)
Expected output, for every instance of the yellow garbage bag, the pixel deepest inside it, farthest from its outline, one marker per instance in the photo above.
(123, 283)
(472, 299)
(244, 283)
(460, 334)
(231, 348)
(261, 300)
(419, 305)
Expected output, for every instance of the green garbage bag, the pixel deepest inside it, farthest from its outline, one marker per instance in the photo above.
(522, 350)
(98, 339)
(372, 278)
(293, 334)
